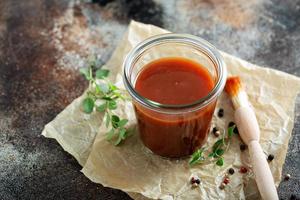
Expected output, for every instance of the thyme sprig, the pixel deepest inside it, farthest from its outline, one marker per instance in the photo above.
(217, 150)
(102, 96)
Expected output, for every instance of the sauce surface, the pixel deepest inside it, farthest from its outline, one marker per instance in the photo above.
(174, 81)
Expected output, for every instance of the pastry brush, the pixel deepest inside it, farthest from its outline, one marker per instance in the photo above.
(247, 125)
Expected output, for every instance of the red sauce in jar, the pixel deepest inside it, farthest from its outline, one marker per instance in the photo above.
(174, 81)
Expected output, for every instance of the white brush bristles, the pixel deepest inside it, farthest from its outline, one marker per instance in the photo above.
(240, 100)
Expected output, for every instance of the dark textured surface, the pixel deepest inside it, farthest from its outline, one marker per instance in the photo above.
(43, 42)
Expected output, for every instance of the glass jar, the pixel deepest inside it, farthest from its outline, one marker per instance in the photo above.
(174, 130)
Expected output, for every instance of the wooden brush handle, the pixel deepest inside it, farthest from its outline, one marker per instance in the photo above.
(262, 172)
(249, 131)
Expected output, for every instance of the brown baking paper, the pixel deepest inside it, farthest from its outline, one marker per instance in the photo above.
(133, 169)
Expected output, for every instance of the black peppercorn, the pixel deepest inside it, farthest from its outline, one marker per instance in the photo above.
(222, 186)
(287, 177)
(231, 171)
(192, 180)
(221, 112)
(195, 182)
(236, 130)
(230, 124)
(270, 157)
(243, 147)
(216, 131)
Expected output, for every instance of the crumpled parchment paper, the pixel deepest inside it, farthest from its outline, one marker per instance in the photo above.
(131, 168)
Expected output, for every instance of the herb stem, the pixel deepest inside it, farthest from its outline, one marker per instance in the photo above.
(108, 93)
(220, 147)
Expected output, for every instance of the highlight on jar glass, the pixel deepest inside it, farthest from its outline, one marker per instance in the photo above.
(174, 81)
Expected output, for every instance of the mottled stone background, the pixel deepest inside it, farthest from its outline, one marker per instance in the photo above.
(44, 42)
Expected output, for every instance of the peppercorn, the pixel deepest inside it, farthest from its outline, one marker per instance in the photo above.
(287, 177)
(216, 132)
(270, 157)
(222, 186)
(221, 112)
(192, 180)
(236, 130)
(243, 170)
(231, 171)
(243, 147)
(230, 124)
(226, 180)
(195, 181)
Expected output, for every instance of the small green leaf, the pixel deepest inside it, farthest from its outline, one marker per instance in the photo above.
(219, 152)
(85, 72)
(118, 95)
(88, 105)
(118, 141)
(98, 89)
(230, 131)
(211, 155)
(107, 98)
(101, 108)
(220, 162)
(113, 87)
(110, 134)
(102, 73)
(196, 157)
(104, 88)
(114, 120)
(218, 144)
(107, 120)
(122, 133)
(112, 105)
(122, 122)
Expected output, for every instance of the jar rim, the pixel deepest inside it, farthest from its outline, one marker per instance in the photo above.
(205, 47)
